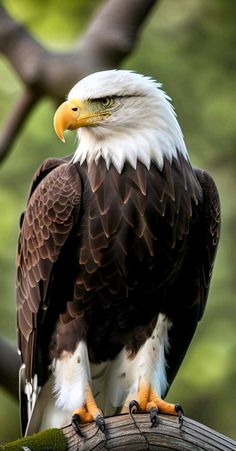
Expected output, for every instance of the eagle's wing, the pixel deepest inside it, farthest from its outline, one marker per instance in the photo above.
(46, 225)
(193, 286)
(47, 166)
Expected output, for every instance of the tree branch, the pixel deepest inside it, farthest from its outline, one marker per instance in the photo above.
(133, 433)
(110, 37)
(22, 51)
(113, 32)
(16, 120)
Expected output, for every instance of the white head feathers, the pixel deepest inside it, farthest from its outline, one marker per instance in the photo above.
(143, 126)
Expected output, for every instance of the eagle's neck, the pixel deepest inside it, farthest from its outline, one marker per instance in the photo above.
(154, 139)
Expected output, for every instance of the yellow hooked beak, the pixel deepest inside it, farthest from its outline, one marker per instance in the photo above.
(74, 113)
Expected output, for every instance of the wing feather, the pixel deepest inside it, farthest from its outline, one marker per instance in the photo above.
(48, 221)
(211, 228)
(193, 285)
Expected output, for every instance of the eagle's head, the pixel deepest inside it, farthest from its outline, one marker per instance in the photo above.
(121, 116)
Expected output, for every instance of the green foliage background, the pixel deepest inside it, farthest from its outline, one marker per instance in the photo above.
(189, 46)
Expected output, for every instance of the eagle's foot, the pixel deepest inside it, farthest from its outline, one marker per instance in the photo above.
(82, 416)
(87, 413)
(149, 401)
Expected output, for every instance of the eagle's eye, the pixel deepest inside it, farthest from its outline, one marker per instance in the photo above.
(107, 101)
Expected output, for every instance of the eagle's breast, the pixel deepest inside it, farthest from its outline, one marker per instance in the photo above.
(132, 233)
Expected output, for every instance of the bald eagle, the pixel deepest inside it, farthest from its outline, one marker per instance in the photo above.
(115, 256)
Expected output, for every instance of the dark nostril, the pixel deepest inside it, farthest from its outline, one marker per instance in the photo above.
(74, 109)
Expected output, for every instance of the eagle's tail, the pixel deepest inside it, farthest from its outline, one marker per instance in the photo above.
(37, 407)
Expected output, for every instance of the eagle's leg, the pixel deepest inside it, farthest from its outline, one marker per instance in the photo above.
(146, 372)
(73, 387)
(88, 412)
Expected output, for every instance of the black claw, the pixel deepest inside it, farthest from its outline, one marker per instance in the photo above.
(133, 407)
(179, 409)
(180, 412)
(100, 422)
(154, 417)
(75, 424)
